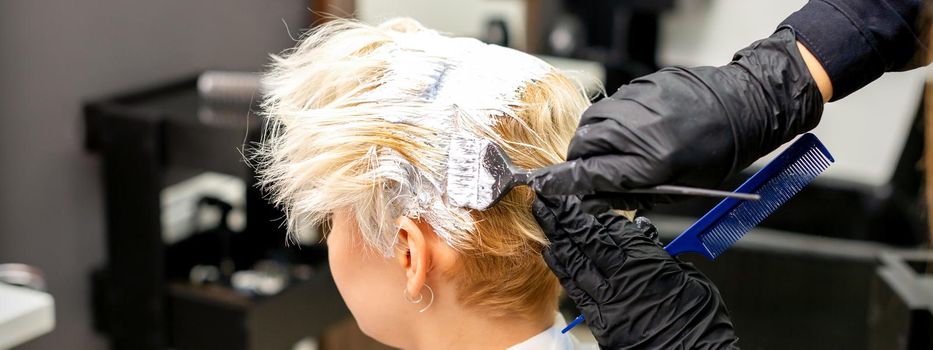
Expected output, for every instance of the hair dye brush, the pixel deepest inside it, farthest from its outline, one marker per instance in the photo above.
(479, 174)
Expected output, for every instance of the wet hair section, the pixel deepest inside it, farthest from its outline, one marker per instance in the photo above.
(361, 119)
(402, 91)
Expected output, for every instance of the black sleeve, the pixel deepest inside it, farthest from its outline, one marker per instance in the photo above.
(858, 40)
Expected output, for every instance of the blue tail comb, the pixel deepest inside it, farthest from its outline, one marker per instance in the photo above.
(777, 182)
(732, 218)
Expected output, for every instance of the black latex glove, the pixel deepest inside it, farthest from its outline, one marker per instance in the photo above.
(632, 293)
(688, 126)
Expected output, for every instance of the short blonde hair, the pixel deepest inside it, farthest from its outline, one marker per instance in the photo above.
(339, 137)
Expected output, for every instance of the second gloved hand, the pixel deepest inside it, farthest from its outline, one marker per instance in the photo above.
(688, 126)
(632, 293)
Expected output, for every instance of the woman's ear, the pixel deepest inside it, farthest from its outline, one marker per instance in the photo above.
(414, 254)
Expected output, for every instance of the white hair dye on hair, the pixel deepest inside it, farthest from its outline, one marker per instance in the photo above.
(465, 83)
(437, 85)
(470, 183)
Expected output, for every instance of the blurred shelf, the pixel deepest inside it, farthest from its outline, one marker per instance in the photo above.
(148, 140)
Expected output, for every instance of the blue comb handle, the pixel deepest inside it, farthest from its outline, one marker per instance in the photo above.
(777, 182)
(732, 218)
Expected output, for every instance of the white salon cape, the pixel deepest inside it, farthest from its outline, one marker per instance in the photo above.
(553, 339)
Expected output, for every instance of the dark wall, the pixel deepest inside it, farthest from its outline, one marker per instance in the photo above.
(55, 54)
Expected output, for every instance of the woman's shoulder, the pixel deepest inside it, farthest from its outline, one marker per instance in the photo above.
(553, 339)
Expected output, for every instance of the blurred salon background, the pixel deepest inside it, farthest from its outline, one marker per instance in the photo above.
(130, 220)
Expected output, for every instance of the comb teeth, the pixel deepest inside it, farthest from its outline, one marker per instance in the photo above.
(774, 193)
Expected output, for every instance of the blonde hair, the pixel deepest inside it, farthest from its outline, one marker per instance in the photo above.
(360, 117)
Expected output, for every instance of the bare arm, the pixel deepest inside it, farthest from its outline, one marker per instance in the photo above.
(818, 72)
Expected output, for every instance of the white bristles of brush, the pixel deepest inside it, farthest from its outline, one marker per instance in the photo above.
(469, 182)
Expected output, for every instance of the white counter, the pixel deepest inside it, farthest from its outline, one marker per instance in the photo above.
(24, 314)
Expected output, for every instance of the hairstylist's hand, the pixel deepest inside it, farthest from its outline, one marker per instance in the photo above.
(632, 293)
(688, 126)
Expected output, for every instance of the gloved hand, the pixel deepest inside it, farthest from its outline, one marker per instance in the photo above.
(688, 126)
(632, 293)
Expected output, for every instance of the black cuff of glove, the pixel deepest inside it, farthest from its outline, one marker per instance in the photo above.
(784, 99)
(856, 41)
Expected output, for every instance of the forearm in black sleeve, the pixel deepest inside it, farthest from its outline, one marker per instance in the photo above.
(856, 41)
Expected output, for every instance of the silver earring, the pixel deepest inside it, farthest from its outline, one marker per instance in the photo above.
(420, 297)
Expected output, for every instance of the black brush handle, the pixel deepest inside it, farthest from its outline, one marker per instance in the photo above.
(524, 177)
(520, 176)
(693, 191)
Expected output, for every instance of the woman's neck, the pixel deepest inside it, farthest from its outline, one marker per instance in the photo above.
(463, 329)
